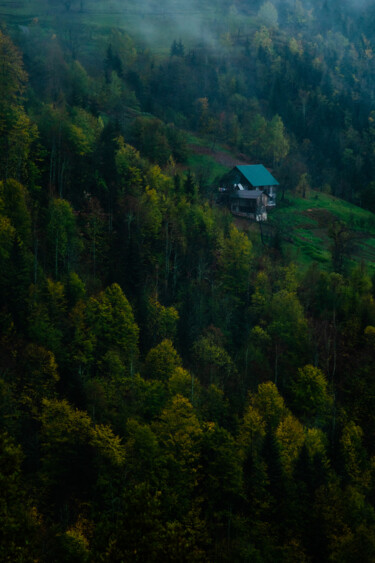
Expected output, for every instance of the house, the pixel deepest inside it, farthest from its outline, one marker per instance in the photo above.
(249, 203)
(249, 190)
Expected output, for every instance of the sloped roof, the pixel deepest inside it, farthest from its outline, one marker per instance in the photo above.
(257, 175)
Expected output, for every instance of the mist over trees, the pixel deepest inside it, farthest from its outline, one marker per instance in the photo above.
(173, 386)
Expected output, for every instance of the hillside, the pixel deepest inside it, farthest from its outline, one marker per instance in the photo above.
(310, 224)
(177, 384)
(305, 225)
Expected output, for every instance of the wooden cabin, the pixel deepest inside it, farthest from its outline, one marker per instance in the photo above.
(248, 191)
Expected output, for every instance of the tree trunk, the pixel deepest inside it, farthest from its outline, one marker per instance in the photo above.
(56, 255)
(276, 363)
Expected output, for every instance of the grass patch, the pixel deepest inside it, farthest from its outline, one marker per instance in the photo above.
(306, 224)
(203, 163)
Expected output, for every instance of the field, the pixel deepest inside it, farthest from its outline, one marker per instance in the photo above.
(305, 226)
(214, 159)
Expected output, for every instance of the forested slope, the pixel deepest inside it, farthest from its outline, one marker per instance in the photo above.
(173, 388)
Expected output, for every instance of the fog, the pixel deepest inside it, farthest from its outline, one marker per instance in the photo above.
(156, 24)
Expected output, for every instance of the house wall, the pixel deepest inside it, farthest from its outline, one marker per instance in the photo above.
(271, 192)
(252, 209)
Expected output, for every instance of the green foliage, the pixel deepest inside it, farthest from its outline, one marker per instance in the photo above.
(37, 378)
(152, 216)
(111, 319)
(180, 383)
(235, 262)
(7, 240)
(82, 342)
(84, 131)
(342, 242)
(75, 452)
(128, 162)
(19, 520)
(17, 132)
(174, 464)
(221, 469)
(150, 136)
(75, 288)
(161, 361)
(312, 218)
(290, 437)
(142, 450)
(269, 403)
(62, 235)
(253, 430)
(354, 456)
(13, 76)
(310, 393)
(162, 320)
(268, 14)
(179, 433)
(213, 363)
(41, 328)
(15, 197)
(277, 144)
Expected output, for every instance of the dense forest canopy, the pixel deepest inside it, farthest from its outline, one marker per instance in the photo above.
(173, 385)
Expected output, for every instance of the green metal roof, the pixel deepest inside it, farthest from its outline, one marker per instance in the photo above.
(257, 175)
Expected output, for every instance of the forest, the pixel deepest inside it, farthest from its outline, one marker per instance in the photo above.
(175, 384)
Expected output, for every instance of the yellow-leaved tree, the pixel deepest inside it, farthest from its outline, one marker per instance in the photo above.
(17, 133)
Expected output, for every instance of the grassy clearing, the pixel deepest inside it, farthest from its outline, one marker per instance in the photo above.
(199, 163)
(306, 222)
(355, 217)
(215, 162)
